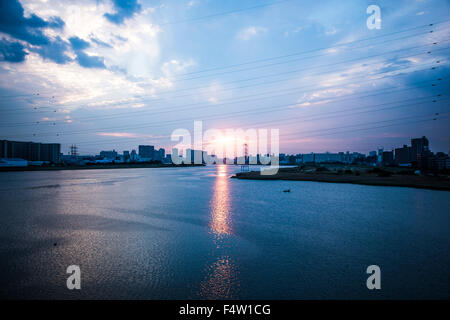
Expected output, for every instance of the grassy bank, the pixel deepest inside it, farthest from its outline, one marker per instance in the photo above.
(356, 175)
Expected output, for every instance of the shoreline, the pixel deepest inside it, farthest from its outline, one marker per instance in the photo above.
(394, 180)
(97, 167)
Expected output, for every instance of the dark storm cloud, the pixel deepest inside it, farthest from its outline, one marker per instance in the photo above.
(28, 29)
(83, 59)
(11, 51)
(124, 9)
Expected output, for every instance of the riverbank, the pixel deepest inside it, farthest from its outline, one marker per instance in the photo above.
(367, 177)
(97, 166)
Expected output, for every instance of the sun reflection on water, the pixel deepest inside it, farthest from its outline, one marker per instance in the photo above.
(221, 281)
(220, 204)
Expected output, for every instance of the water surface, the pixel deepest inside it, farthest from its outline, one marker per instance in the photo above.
(176, 233)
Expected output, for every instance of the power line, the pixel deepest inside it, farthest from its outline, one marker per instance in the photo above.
(220, 116)
(225, 13)
(162, 123)
(318, 49)
(233, 101)
(296, 71)
(434, 116)
(292, 60)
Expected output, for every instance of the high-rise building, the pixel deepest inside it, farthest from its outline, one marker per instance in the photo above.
(31, 151)
(403, 155)
(159, 155)
(418, 147)
(146, 152)
(162, 153)
(133, 155)
(388, 158)
(50, 152)
(380, 155)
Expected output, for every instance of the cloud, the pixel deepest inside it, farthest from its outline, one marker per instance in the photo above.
(331, 31)
(129, 135)
(192, 3)
(29, 29)
(55, 51)
(83, 59)
(118, 134)
(88, 61)
(12, 51)
(78, 43)
(101, 43)
(125, 9)
(250, 32)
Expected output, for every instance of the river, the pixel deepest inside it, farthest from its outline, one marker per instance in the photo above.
(194, 233)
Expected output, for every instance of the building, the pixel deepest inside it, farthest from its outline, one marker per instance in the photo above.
(380, 155)
(403, 155)
(126, 156)
(159, 155)
(133, 156)
(13, 162)
(162, 153)
(50, 152)
(31, 151)
(388, 158)
(195, 156)
(418, 147)
(309, 157)
(112, 155)
(146, 152)
(435, 162)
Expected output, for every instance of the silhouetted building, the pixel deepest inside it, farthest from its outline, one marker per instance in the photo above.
(133, 155)
(439, 162)
(418, 147)
(388, 158)
(159, 155)
(31, 151)
(380, 155)
(403, 155)
(146, 152)
(126, 156)
(108, 154)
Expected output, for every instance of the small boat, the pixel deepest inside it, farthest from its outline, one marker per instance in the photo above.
(287, 190)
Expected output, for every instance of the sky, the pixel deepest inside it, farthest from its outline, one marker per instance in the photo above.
(111, 74)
